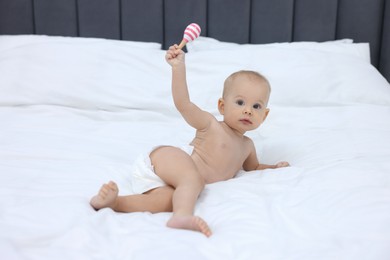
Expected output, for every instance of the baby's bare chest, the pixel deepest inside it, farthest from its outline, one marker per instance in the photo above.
(220, 156)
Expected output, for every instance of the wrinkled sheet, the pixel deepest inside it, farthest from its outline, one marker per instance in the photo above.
(332, 203)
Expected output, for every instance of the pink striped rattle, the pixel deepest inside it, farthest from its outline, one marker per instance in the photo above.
(191, 32)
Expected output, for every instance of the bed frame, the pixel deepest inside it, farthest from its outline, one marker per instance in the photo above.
(241, 21)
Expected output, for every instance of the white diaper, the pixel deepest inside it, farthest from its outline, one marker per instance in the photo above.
(143, 178)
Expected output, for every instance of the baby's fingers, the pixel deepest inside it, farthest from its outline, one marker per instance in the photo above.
(170, 54)
(282, 164)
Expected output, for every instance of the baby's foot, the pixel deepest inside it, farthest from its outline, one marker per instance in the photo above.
(190, 222)
(106, 197)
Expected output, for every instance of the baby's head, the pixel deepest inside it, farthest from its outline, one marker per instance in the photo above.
(248, 75)
(244, 100)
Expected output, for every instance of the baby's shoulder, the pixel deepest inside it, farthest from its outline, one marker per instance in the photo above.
(248, 141)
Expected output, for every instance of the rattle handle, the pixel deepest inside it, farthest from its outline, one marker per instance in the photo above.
(182, 44)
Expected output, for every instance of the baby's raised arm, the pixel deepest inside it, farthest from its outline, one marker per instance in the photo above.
(194, 116)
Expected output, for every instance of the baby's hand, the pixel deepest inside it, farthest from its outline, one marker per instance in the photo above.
(282, 164)
(174, 56)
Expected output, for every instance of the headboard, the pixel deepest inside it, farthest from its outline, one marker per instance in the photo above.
(241, 21)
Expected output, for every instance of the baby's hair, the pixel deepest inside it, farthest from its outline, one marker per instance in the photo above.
(250, 74)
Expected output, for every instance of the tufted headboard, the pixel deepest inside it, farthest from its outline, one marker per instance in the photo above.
(241, 21)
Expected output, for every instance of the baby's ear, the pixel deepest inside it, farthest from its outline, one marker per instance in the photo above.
(266, 113)
(221, 106)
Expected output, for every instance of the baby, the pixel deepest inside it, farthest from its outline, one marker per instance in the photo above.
(219, 150)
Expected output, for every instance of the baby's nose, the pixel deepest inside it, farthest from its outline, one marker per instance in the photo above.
(247, 111)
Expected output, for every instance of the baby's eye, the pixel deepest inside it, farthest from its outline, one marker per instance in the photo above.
(240, 102)
(257, 106)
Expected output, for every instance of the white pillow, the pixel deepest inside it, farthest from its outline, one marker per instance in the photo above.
(87, 74)
(12, 41)
(343, 46)
(203, 43)
(298, 77)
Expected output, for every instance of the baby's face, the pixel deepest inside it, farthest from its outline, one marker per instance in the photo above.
(244, 107)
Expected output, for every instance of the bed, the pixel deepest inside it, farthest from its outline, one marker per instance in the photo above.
(84, 88)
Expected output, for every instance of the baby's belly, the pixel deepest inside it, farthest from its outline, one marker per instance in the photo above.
(215, 171)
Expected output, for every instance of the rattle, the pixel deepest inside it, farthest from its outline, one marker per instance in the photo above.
(191, 32)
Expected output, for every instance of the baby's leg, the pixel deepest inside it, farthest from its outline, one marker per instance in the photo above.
(176, 168)
(156, 200)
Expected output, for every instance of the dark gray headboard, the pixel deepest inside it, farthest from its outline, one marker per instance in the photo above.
(241, 21)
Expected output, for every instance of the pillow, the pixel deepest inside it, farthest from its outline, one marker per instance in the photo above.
(203, 43)
(12, 41)
(343, 46)
(298, 77)
(82, 73)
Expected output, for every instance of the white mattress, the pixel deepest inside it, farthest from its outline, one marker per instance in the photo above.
(75, 113)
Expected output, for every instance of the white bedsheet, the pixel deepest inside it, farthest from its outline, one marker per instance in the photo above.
(332, 203)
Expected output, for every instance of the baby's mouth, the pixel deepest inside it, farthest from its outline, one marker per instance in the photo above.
(246, 121)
